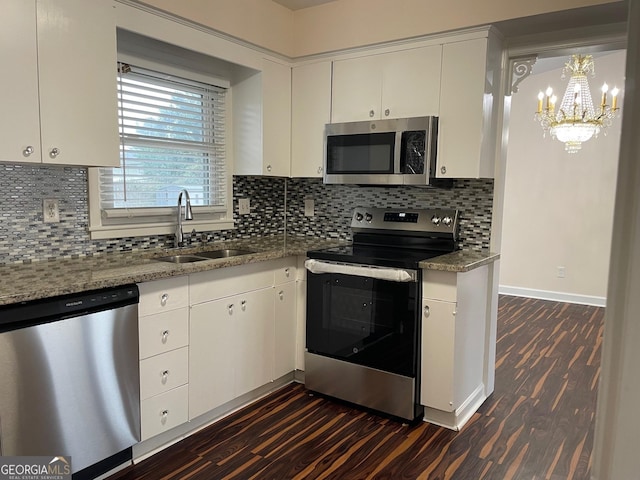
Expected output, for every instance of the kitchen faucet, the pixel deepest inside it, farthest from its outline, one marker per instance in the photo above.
(188, 215)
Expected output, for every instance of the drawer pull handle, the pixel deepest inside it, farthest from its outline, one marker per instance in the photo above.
(163, 299)
(165, 336)
(426, 311)
(163, 416)
(165, 376)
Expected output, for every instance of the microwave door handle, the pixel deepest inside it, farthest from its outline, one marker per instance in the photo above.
(397, 151)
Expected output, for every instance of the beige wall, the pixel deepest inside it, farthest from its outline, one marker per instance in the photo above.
(350, 23)
(261, 22)
(559, 207)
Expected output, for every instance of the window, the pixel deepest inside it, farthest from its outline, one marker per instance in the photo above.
(172, 137)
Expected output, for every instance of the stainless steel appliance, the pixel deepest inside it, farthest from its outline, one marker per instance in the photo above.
(69, 378)
(363, 308)
(381, 152)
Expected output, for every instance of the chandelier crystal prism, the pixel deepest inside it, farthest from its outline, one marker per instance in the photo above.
(576, 120)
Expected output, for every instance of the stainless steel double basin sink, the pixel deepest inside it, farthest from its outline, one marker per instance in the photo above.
(202, 256)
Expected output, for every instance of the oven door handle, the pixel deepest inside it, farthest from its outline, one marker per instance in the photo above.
(382, 273)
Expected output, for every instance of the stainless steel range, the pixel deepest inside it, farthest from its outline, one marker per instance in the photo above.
(363, 308)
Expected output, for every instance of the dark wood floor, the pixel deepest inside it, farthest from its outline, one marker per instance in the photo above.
(538, 424)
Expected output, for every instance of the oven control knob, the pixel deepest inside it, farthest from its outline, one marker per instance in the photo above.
(359, 217)
(368, 217)
(435, 220)
(447, 221)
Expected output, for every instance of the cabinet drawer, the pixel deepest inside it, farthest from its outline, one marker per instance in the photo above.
(163, 332)
(164, 372)
(285, 270)
(439, 285)
(162, 295)
(225, 282)
(163, 412)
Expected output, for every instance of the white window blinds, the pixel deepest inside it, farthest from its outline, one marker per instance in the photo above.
(172, 137)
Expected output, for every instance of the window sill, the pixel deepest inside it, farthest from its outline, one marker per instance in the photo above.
(142, 230)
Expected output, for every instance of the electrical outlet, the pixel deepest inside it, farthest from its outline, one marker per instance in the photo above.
(561, 272)
(50, 210)
(309, 207)
(244, 207)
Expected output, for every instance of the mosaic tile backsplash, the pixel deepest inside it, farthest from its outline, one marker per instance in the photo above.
(25, 237)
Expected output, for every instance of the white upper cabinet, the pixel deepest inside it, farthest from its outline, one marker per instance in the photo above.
(469, 102)
(311, 110)
(390, 85)
(59, 102)
(262, 122)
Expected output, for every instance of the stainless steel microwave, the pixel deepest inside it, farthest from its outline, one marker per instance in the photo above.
(381, 152)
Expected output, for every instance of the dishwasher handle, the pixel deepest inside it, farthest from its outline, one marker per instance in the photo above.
(369, 271)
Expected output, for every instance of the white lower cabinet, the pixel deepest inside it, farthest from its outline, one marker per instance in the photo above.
(163, 412)
(285, 329)
(454, 353)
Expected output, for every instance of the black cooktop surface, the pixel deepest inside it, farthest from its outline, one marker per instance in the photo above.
(382, 256)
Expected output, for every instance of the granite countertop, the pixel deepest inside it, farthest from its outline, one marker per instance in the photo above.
(32, 281)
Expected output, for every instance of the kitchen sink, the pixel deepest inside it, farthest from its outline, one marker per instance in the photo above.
(224, 253)
(202, 256)
(180, 259)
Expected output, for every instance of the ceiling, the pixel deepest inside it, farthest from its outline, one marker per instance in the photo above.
(299, 4)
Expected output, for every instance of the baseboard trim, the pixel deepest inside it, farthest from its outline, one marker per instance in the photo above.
(554, 296)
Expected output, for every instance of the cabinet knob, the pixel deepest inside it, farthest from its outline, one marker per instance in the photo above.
(27, 152)
(386, 112)
(230, 308)
(163, 299)
(443, 170)
(281, 295)
(426, 311)
(287, 272)
(165, 336)
(268, 168)
(165, 376)
(243, 305)
(319, 170)
(163, 416)
(54, 152)
(371, 113)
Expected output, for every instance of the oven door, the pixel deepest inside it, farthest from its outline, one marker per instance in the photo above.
(366, 321)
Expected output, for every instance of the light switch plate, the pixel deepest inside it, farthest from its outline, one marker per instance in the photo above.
(309, 207)
(244, 207)
(50, 210)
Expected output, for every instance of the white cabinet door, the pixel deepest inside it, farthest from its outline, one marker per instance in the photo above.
(390, 85)
(468, 108)
(212, 347)
(311, 110)
(276, 119)
(19, 121)
(285, 329)
(411, 82)
(357, 89)
(253, 317)
(60, 98)
(438, 355)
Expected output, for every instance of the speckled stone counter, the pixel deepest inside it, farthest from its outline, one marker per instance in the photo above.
(23, 282)
(460, 261)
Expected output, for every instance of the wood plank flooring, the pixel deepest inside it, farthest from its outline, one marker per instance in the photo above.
(538, 424)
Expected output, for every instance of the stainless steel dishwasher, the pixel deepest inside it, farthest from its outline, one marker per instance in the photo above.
(69, 378)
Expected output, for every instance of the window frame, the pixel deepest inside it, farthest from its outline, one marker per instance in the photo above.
(162, 220)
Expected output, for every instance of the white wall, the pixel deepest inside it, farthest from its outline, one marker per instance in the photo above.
(558, 207)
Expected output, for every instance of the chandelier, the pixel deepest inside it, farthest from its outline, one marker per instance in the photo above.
(576, 120)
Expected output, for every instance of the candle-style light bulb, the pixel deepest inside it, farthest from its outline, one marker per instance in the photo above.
(540, 98)
(549, 91)
(614, 100)
(605, 89)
